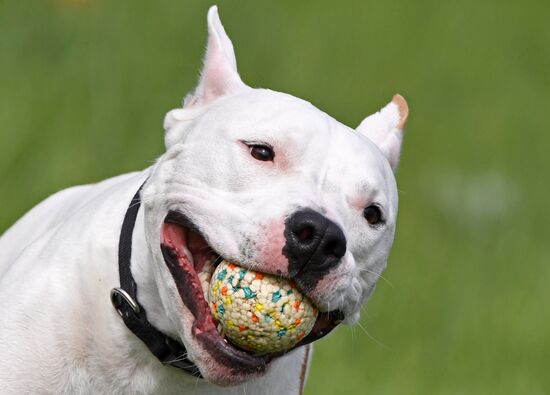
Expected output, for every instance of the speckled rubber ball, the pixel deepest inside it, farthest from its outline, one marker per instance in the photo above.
(259, 312)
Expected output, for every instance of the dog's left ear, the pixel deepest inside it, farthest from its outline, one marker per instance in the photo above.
(385, 128)
(219, 76)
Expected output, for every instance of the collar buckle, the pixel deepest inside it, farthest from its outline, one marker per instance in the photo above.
(120, 297)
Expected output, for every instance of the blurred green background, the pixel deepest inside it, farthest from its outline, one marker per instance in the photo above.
(84, 86)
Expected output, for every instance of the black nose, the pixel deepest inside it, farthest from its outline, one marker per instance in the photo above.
(314, 244)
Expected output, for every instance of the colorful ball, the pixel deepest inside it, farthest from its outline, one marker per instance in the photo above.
(259, 312)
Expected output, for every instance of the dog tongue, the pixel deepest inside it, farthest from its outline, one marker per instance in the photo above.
(175, 237)
(180, 263)
(201, 251)
(188, 245)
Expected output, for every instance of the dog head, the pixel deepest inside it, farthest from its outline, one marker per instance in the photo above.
(270, 182)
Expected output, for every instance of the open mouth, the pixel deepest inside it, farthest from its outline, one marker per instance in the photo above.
(191, 262)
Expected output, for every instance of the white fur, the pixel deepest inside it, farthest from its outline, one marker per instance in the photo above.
(59, 333)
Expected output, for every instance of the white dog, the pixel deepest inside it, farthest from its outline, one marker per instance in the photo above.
(254, 176)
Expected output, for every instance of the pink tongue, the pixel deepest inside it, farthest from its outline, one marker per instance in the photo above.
(187, 281)
(200, 250)
(175, 237)
(187, 244)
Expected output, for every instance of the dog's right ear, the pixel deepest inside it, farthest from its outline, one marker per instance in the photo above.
(219, 76)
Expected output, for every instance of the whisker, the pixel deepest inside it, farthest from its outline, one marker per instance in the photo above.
(207, 248)
(378, 275)
(180, 358)
(364, 312)
(353, 339)
(370, 336)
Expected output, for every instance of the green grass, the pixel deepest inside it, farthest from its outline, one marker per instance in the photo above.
(84, 86)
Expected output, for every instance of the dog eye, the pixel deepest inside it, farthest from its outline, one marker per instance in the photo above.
(373, 215)
(262, 152)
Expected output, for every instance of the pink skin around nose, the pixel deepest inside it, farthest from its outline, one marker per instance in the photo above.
(270, 254)
(329, 283)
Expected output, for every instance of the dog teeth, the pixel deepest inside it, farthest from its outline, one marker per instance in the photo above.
(209, 267)
(204, 278)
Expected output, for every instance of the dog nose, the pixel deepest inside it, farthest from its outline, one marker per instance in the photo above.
(314, 244)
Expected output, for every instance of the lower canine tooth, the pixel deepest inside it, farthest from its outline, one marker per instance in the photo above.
(204, 279)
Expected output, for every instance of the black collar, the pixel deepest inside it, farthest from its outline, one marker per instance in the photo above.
(124, 300)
